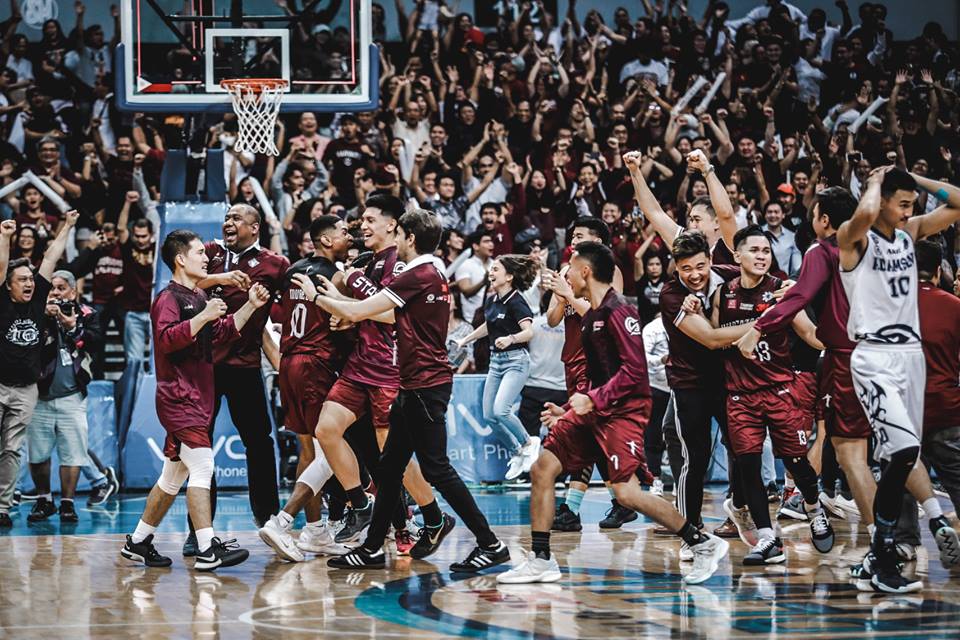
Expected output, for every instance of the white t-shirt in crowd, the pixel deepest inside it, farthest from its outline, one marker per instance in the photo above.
(546, 368)
(655, 70)
(656, 345)
(474, 271)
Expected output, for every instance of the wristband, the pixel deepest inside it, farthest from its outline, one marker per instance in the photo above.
(315, 296)
(942, 194)
(710, 169)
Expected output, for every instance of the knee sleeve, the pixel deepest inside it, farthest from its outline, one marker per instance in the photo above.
(804, 477)
(317, 473)
(172, 477)
(199, 463)
(890, 489)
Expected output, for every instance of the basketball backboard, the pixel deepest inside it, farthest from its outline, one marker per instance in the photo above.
(174, 53)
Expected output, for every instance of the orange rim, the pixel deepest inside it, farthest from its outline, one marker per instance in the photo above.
(255, 84)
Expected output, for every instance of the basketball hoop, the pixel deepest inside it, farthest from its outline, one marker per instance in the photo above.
(256, 101)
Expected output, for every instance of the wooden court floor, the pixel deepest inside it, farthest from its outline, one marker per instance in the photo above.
(57, 583)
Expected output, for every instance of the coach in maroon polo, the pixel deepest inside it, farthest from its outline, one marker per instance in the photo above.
(237, 262)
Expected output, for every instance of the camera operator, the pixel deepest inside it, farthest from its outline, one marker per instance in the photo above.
(22, 322)
(60, 419)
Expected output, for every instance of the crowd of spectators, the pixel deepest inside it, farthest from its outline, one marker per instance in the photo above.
(508, 133)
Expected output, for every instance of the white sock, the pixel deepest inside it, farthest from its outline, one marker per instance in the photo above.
(142, 531)
(315, 523)
(931, 507)
(765, 534)
(811, 508)
(47, 496)
(204, 538)
(871, 529)
(286, 520)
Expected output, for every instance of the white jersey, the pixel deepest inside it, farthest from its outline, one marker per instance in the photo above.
(882, 290)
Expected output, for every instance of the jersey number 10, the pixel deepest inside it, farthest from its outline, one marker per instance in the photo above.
(298, 320)
(899, 286)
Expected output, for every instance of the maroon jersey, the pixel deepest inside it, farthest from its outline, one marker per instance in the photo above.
(305, 326)
(940, 329)
(422, 297)
(818, 284)
(107, 273)
(263, 267)
(137, 278)
(184, 363)
(772, 365)
(616, 360)
(572, 353)
(721, 254)
(374, 359)
(690, 364)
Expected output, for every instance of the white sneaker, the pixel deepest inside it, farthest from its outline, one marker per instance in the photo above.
(847, 507)
(515, 466)
(530, 452)
(532, 569)
(744, 521)
(278, 538)
(657, 487)
(686, 553)
(831, 507)
(706, 559)
(319, 539)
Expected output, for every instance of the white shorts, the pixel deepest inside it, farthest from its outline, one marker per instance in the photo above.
(890, 381)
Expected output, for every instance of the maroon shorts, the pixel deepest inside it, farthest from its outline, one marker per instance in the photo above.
(842, 410)
(193, 437)
(806, 397)
(360, 398)
(617, 441)
(576, 377)
(751, 414)
(305, 382)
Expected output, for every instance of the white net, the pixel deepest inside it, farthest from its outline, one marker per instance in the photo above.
(256, 103)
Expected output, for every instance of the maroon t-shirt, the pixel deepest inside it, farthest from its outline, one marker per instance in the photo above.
(772, 365)
(572, 353)
(184, 363)
(721, 254)
(690, 364)
(818, 284)
(107, 273)
(263, 267)
(305, 326)
(374, 359)
(939, 326)
(137, 277)
(422, 297)
(616, 359)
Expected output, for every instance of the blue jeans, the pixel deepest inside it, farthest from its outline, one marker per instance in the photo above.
(136, 334)
(506, 378)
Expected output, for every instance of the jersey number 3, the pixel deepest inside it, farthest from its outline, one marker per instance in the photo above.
(298, 320)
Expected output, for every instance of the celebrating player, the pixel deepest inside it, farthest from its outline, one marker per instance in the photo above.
(419, 298)
(186, 329)
(879, 275)
(311, 358)
(605, 423)
(759, 397)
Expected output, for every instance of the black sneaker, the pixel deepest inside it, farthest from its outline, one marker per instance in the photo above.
(767, 551)
(5, 521)
(480, 559)
(429, 538)
(617, 516)
(144, 552)
(68, 513)
(888, 578)
(773, 493)
(821, 531)
(190, 546)
(947, 541)
(354, 524)
(359, 558)
(99, 494)
(112, 480)
(566, 520)
(17, 497)
(42, 510)
(224, 553)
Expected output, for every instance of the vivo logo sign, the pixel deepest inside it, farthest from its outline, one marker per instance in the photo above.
(231, 445)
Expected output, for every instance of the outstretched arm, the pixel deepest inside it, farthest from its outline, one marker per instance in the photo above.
(726, 218)
(662, 223)
(55, 251)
